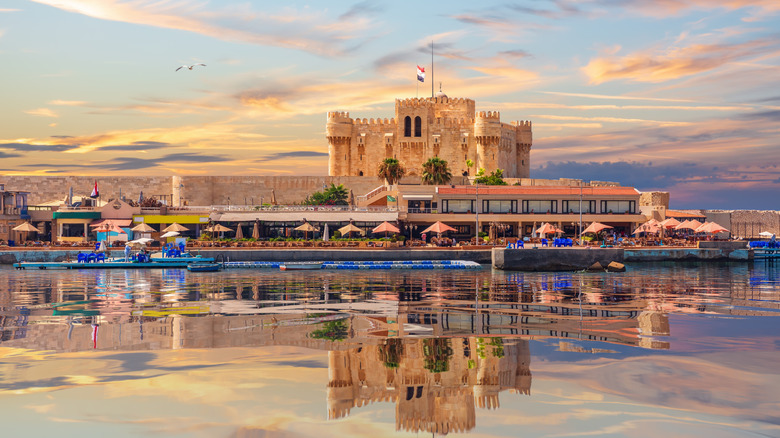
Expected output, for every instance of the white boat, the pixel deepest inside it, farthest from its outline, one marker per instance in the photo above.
(301, 266)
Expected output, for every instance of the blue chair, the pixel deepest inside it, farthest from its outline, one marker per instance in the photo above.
(81, 258)
(519, 244)
(91, 258)
(100, 258)
(545, 243)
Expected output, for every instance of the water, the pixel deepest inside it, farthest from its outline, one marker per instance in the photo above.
(662, 349)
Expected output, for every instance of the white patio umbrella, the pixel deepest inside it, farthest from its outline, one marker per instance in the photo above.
(170, 234)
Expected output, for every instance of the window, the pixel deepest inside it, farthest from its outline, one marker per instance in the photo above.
(457, 205)
(496, 206)
(540, 206)
(618, 207)
(407, 126)
(573, 206)
(417, 126)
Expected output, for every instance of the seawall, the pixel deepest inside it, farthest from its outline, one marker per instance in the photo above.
(575, 259)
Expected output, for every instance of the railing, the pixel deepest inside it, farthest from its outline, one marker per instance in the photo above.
(282, 208)
(372, 193)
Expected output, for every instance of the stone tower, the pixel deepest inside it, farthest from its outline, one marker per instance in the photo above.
(423, 128)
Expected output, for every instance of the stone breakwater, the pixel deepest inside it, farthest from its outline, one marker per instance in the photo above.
(576, 259)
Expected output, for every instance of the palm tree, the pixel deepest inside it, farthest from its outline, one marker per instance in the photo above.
(336, 194)
(435, 172)
(469, 164)
(391, 170)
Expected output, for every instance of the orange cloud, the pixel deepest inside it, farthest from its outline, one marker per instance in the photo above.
(43, 112)
(295, 29)
(674, 62)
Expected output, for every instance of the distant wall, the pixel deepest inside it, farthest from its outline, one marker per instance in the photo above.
(196, 190)
(50, 188)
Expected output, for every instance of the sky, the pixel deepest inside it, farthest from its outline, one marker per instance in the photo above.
(671, 95)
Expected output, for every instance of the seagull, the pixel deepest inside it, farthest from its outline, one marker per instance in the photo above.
(189, 67)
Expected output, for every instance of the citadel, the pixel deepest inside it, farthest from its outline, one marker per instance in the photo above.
(422, 128)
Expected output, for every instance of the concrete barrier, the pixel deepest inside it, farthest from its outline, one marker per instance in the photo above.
(672, 254)
(554, 259)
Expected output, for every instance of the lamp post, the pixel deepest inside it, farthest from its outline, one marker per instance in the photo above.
(580, 212)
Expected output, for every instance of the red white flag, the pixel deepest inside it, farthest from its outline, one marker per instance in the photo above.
(95, 192)
(420, 74)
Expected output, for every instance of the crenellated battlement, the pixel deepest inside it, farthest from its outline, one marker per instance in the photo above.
(338, 116)
(524, 124)
(488, 115)
(385, 121)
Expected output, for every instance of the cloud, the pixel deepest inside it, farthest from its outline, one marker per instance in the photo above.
(361, 9)
(294, 154)
(68, 102)
(134, 163)
(44, 112)
(665, 8)
(286, 27)
(38, 147)
(674, 62)
(562, 9)
(7, 155)
(516, 54)
(136, 146)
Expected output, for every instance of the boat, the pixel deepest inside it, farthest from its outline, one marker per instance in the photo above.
(301, 266)
(204, 267)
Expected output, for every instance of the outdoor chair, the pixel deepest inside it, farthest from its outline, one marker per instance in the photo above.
(81, 258)
(545, 242)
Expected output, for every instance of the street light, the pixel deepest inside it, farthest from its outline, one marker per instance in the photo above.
(580, 212)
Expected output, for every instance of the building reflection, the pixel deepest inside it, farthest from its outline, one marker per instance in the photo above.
(435, 383)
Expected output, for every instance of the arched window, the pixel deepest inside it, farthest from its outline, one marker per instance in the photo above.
(417, 126)
(408, 126)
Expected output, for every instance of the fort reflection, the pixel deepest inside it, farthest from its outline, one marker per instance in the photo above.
(435, 383)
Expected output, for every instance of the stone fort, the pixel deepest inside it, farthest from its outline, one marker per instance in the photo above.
(429, 127)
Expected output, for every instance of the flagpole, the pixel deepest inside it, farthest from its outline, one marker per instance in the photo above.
(432, 78)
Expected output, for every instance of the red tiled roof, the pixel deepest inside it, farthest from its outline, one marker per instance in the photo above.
(678, 213)
(538, 190)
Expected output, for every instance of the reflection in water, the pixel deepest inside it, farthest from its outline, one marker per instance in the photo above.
(435, 383)
(437, 345)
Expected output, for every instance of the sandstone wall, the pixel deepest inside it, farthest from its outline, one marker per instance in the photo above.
(49, 188)
(746, 223)
(654, 199)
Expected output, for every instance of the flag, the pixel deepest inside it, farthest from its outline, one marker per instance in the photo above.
(95, 192)
(420, 74)
(390, 198)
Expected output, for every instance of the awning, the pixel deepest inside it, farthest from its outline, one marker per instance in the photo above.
(309, 215)
(76, 215)
(418, 197)
(121, 223)
(169, 219)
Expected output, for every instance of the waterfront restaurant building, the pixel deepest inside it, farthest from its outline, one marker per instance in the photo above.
(516, 211)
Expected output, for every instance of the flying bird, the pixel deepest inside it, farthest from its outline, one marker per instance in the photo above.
(189, 67)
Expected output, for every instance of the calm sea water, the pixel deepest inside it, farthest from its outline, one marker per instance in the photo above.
(659, 350)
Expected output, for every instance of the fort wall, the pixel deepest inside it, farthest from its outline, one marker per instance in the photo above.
(423, 128)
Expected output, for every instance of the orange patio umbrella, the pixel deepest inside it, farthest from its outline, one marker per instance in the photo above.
(669, 223)
(595, 227)
(438, 227)
(711, 227)
(691, 224)
(647, 228)
(548, 228)
(386, 227)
